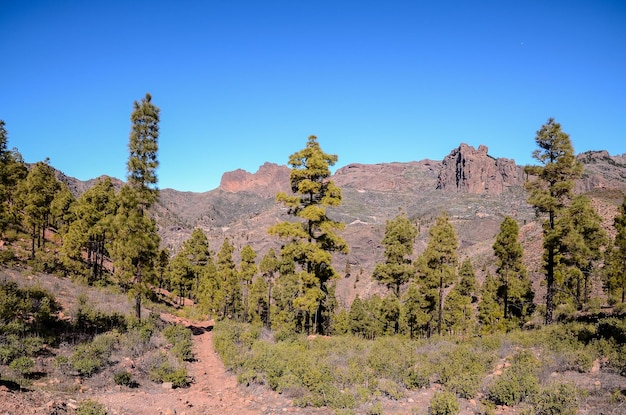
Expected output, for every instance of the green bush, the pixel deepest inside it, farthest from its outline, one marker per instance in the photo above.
(391, 357)
(89, 358)
(390, 389)
(462, 370)
(162, 369)
(123, 378)
(180, 338)
(23, 366)
(417, 376)
(612, 328)
(90, 407)
(518, 382)
(559, 399)
(444, 403)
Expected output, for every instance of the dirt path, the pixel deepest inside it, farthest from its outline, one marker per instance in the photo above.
(214, 390)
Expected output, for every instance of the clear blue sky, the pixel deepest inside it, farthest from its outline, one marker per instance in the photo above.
(240, 83)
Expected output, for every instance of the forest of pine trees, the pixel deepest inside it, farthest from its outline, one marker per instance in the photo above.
(108, 236)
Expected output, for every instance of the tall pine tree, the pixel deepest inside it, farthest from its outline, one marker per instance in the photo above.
(550, 192)
(437, 264)
(514, 287)
(584, 241)
(615, 262)
(313, 238)
(136, 243)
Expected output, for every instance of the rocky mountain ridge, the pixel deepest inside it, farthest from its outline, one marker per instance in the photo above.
(476, 189)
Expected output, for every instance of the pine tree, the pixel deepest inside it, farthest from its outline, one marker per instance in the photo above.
(247, 271)
(61, 209)
(90, 228)
(229, 281)
(436, 266)
(397, 269)
(490, 313)
(135, 247)
(615, 262)
(12, 171)
(313, 238)
(583, 243)
(458, 311)
(269, 267)
(550, 193)
(514, 287)
(196, 251)
(35, 196)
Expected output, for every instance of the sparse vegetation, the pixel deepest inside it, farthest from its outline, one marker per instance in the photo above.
(465, 334)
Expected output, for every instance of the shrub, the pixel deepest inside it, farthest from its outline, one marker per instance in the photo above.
(89, 358)
(162, 369)
(559, 399)
(390, 389)
(518, 382)
(90, 407)
(180, 337)
(463, 369)
(417, 376)
(124, 378)
(444, 403)
(23, 366)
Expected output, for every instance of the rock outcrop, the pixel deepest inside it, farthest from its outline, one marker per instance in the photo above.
(602, 171)
(469, 170)
(267, 181)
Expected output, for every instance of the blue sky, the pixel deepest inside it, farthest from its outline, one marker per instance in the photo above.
(241, 83)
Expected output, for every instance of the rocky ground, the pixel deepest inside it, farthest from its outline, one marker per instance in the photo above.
(214, 390)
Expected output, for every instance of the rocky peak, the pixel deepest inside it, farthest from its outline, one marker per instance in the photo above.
(267, 181)
(470, 170)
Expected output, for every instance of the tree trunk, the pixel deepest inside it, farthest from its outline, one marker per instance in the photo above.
(550, 289)
(440, 314)
(269, 302)
(32, 248)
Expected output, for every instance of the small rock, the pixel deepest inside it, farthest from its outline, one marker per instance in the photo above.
(167, 385)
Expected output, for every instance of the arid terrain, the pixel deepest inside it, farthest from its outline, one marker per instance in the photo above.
(477, 190)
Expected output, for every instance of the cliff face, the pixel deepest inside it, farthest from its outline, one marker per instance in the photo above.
(266, 182)
(468, 170)
(602, 171)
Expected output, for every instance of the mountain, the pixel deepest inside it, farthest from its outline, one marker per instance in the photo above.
(476, 189)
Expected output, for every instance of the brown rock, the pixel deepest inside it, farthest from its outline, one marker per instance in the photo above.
(267, 181)
(468, 170)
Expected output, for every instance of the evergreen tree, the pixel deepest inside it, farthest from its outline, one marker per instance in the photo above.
(61, 209)
(181, 277)
(258, 304)
(437, 264)
(134, 247)
(162, 266)
(35, 196)
(311, 240)
(490, 313)
(458, 311)
(550, 193)
(415, 312)
(615, 262)
(196, 252)
(514, 288)
(12, 171)
(136, 243)
(228, 278)
(90, 228)
(269, 267)
(247, 271)
(397, 269)
(583, 244)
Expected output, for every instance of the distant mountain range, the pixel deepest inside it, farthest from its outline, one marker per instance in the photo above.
(476, 189)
